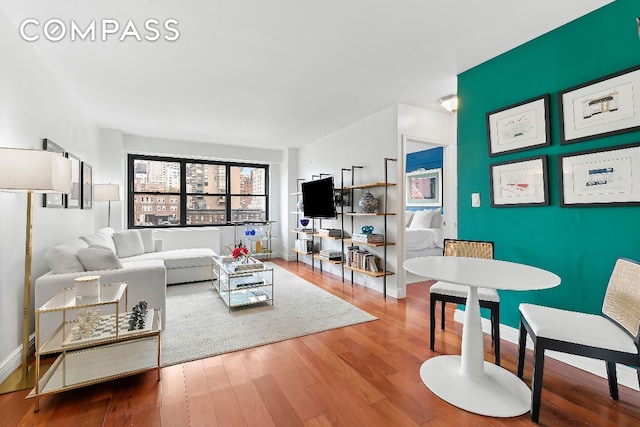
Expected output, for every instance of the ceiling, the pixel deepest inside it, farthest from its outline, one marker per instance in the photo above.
(277, 73)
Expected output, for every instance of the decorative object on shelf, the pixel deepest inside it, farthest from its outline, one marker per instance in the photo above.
(304, 222)
(605, 106)
(367, 229)
(368, 203)
(520, 183)
(300, 206)
(87, 287)
(138, 316)
(601, 177)
(519, 126)
(250, 232)
(424, 188)
(240, 252)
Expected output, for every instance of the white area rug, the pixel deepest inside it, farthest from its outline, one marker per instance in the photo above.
(199, 324)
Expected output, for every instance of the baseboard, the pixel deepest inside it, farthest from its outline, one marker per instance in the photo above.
(626, 376)
(14, 360)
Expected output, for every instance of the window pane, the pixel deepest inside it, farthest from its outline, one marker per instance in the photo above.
(248, 180)
(204, 178)
(206, 210)
(248, 208)
(156, 210)
(157, 176)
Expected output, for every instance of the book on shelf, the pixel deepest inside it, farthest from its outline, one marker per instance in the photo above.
(303, 245)
(367, 238)
(330, 232)
(304, 230)
(362, 259)
(330, 254)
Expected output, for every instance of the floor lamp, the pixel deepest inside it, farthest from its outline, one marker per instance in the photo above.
(106, 193)
(31, 171)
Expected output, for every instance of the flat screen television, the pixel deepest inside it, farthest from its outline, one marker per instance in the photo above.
(317, 198)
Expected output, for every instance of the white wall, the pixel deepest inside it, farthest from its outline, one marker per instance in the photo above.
(33, 105)
(367, 143)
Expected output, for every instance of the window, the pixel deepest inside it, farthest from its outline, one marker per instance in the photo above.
(197, 192)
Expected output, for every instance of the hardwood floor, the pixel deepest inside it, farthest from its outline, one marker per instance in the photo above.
(362, 375)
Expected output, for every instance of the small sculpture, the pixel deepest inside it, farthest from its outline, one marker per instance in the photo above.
(368, 203)
(138, 316)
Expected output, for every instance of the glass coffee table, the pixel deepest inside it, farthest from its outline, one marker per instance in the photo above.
(242, 283)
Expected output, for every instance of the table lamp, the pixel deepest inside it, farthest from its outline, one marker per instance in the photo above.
(31, 171)
(106, 193)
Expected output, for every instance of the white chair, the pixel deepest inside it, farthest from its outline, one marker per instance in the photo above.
(449, 292)
(612, 337)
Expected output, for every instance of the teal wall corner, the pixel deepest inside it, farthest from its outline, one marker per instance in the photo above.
(579, 244)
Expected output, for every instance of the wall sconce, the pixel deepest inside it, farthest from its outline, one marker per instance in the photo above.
(449, 103)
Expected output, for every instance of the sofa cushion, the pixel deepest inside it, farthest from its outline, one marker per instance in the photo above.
(128, 243)
(97, 257)
(180, 258)
(63, 258)
(147, 240)
(100, 238)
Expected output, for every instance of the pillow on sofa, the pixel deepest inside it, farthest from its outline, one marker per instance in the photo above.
(97, 257)
(147, 240)
(422, 219)
(100, 238)
(128, 243)
(63, 258)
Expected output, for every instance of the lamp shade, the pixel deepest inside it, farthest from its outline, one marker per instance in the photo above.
(35, 170)
(106, 192)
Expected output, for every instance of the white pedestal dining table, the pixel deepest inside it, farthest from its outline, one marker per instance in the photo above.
(468, 381)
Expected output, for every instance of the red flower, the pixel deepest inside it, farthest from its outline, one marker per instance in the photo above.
(239, 251)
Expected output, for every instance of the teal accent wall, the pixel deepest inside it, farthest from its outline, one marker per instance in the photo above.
(581, 245)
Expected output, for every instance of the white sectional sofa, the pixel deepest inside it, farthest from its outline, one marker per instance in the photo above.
(148, 260)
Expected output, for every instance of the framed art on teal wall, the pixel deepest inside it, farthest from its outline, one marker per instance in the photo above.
(609, 105)
(603, 177)
(519, 183)
(519, 127)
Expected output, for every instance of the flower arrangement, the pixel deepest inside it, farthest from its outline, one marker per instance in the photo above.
(239, 251)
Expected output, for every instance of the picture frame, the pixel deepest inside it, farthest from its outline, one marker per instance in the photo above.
(519, 127)
(87, 186)
(601, 177)
(606, 106)
(424, 188)
(53, 200)
(519, 183)
(73, 199)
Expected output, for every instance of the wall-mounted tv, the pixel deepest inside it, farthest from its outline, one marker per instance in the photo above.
(317, 198)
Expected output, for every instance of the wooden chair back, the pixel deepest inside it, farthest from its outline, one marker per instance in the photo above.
(468, 248)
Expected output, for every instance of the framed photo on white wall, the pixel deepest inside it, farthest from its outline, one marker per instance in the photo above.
(424, 188)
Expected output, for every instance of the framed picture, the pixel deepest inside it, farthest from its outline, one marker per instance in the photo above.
(53, 200)
(424, 188)
(87, 186)
(606, 106)
(519, 183)
(73, 199)
(603, 177)
(519, 127)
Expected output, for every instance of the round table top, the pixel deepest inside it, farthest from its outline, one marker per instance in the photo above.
(482, 272)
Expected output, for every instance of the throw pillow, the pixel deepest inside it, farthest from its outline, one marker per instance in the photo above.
(99, 238)
(63, 258)
(147, 240)
(422, 219)
(97, 257)
(128, 243)
(408, 216)
(437, 220)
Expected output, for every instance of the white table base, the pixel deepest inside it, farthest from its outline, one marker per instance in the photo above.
(496, 392)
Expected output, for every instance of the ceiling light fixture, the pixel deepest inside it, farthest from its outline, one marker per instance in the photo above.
(449, 103)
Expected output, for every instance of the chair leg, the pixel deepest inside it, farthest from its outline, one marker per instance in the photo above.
(432, 322)
(442, 315)
(613, 380)
(522, 345)
(496, 333)
(536, 382)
